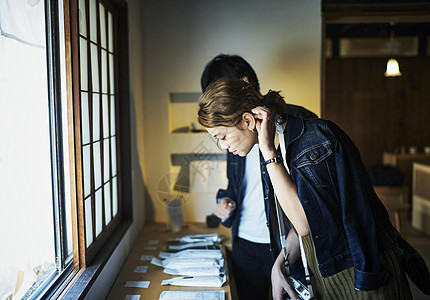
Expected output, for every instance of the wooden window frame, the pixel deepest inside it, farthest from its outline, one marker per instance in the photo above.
(76, 280)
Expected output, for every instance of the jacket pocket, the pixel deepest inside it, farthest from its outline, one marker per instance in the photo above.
(313, 155)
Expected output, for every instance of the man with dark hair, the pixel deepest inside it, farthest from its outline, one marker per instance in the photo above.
(228, 66)
(250, 211)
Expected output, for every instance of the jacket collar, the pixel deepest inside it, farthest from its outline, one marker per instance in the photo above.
(294, 128)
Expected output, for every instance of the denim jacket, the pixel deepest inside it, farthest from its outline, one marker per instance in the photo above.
(348, 223)
(235, 191)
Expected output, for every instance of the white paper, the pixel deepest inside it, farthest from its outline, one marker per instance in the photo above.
(141, 269)
(209, 253)
(156, 261)
(193, 238)
(149, 248)
(153, 242)
(132, 297)
(137, 284)
(202, 281)
(190, 245)
(188, 262)
(166, 254)
(192, 295)
(195, 271)
(146, 257)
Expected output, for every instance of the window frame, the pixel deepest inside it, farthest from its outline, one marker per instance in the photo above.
(122, 125)
(74, 280)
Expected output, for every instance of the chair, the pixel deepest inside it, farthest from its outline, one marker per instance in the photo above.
(396, 201)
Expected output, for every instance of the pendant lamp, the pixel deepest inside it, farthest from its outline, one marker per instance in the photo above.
(392, 69)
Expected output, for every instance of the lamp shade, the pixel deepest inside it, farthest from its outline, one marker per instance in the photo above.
(392, 68)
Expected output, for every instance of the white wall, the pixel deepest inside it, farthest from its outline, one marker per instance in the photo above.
(279, 38)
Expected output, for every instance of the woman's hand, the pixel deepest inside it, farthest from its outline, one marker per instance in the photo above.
(265, 125)
(280, 284)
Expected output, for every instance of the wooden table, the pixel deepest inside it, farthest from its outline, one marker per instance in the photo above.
(155, 274)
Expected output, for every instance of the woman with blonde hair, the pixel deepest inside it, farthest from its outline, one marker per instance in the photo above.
(326, 193)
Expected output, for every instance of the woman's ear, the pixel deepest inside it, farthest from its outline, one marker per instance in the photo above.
(248, 121)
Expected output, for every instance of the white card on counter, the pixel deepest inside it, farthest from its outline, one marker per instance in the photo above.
(209, 281)
(137, 284)
(149, 248)
(146, 257)
(141, 269)
(192, 295)
(132, 297)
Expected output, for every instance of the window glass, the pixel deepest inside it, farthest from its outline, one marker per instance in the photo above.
(114, 196)
(99, 212)
(96, 117)
(83, 63)
(93, 20)
(105, 115)
(97, 166)
(85, 119)
(113, 148)
(111, 74)
(108, 212)
(82, 21)
(102, 26)
(88, 221)
(68, 236)
(27, 248)
(104, 72)
(106, 160)
(112, 116)
(95, 68)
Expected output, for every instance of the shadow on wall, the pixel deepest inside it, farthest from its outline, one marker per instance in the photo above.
(149, 206)
(143, 206)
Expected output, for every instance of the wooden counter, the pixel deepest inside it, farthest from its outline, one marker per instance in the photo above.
(161, 232)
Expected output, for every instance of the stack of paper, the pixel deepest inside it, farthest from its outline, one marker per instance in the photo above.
(207, 241)
(187, 262)
(207, 237)
(201, 267)
(212, 253)
(206, 281)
